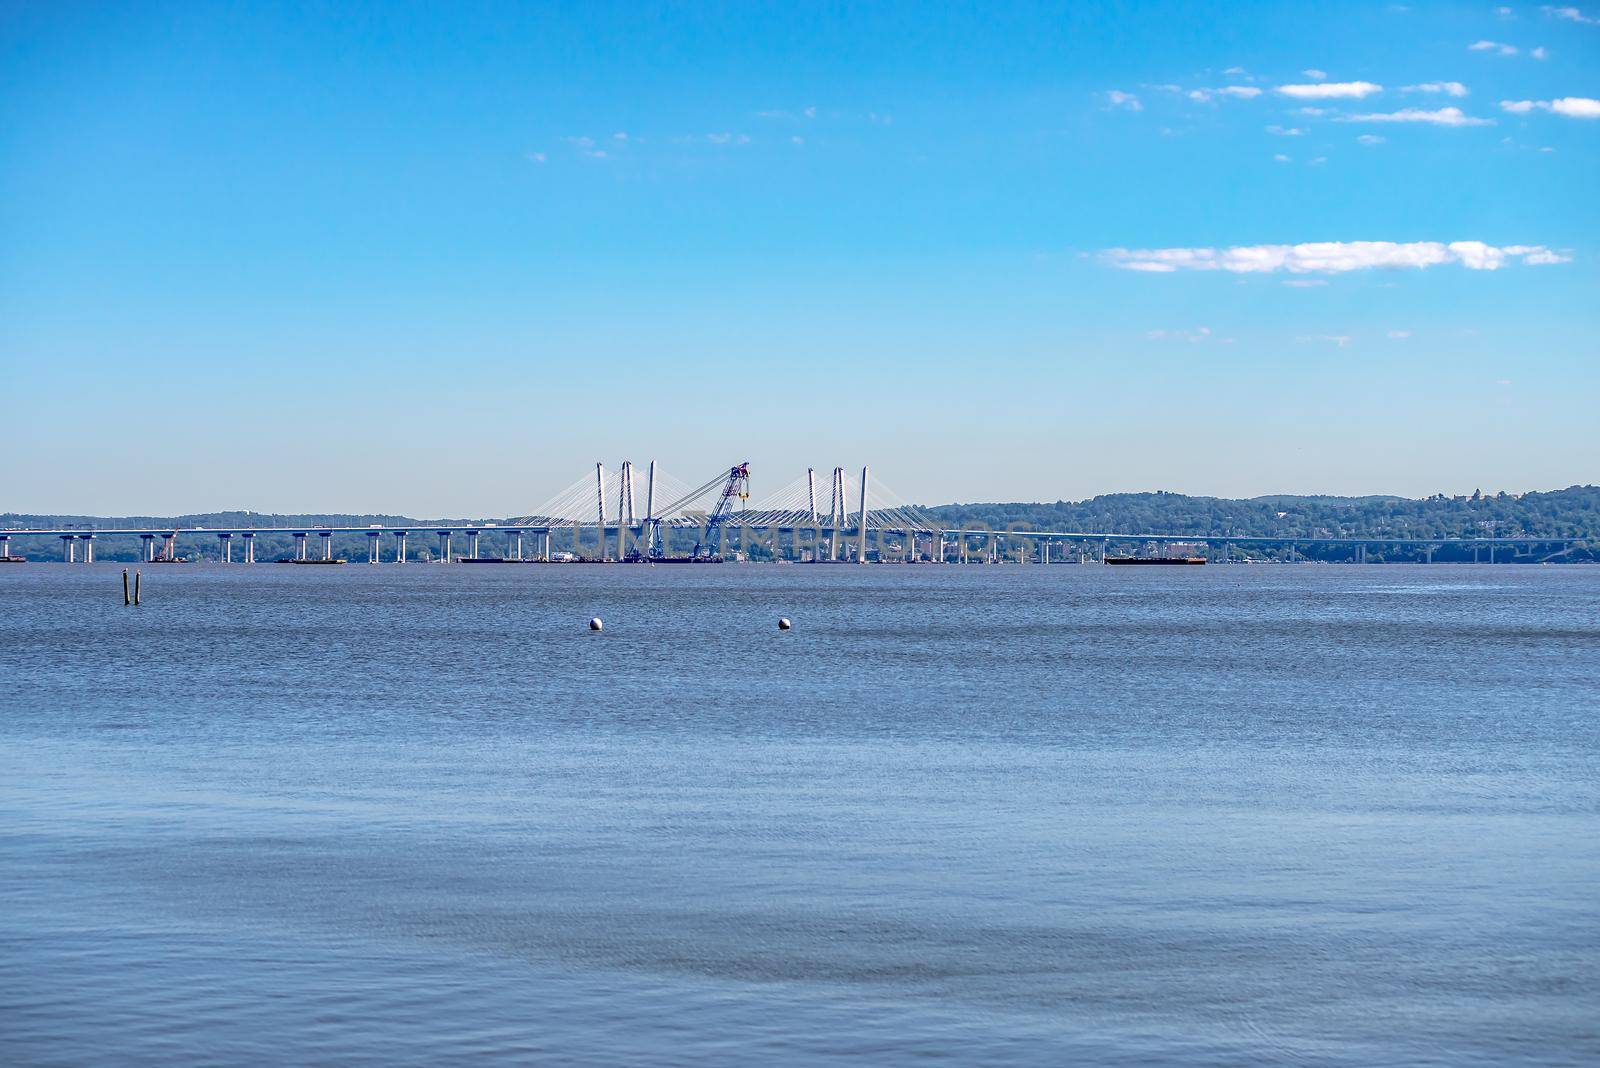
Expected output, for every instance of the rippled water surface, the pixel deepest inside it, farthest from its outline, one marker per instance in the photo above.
(385, 815)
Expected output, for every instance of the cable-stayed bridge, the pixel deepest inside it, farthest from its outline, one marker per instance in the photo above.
(627, 514)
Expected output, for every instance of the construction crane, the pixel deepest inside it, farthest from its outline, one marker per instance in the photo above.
(735, 483)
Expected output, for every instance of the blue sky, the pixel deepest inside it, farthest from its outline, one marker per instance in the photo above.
(439, 259)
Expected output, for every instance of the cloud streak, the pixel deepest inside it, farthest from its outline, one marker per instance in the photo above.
(1330, 257)
(1437, 117)
(1573, 107)
(1448, 88)
(1571, 14)
(1331, 90)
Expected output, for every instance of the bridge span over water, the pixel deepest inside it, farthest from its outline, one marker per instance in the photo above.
(853, 520)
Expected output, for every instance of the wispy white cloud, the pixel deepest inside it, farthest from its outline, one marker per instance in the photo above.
(1315, 75)
(1398, 335)
(1285, 131)
(1500, 48)
(536, 157)
(1281, 158)
(1448, 88)
(1116, 98)
(1313, 112)
(1571, 14)
(1437, 117)
(1370, 139)
(1573, 107)
(1196, 336)
(1330, 257)
(781, 113)
(1304, 283)
(1334, 339)
(1239, 92)
(1331, 90)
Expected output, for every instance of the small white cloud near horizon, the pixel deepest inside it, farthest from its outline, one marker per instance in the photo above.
(1116, 98)
(536, 157)
(1285, 131)
(1437, 117)
(1340, 340)
(1304, 283)
(1330, 257)
(1370, 139)
(1571, 14)
(1330, 90)
(1448, 88)
(1281, 158)
(1499, 48)
(1573, 107)
(1398, 335)
(1315, 75)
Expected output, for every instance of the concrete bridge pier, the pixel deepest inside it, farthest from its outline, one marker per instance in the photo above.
(399, 546)
(514, 543)
(5, 546)
(444, 546)
(169, 546)
(69, 548)
(225, 544)
(327, 544)
(249, 548)
(472, 544)
(300, 545)
(1428, 554)
(88, 547)
(374, 546)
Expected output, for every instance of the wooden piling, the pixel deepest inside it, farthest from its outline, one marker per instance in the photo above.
(136, 587)
(126, 600)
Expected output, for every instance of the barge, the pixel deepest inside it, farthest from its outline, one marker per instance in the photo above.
(1193, 560)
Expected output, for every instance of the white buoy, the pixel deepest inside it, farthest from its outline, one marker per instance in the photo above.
(595, 624)
(784, 624)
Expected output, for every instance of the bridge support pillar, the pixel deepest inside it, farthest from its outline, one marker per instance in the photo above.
(374, 546)
(472, 544)
(225, 543)
(169, 546)
(444, 546)
(327, 544)
(5, 545)
(514, 543)
(69, 548)
(299, 546)
(399, 546)
(88, 547)
(861, 543)
(1428, 554)
(993, 555)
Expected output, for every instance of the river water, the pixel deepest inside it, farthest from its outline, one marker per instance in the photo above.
(1002, 815)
